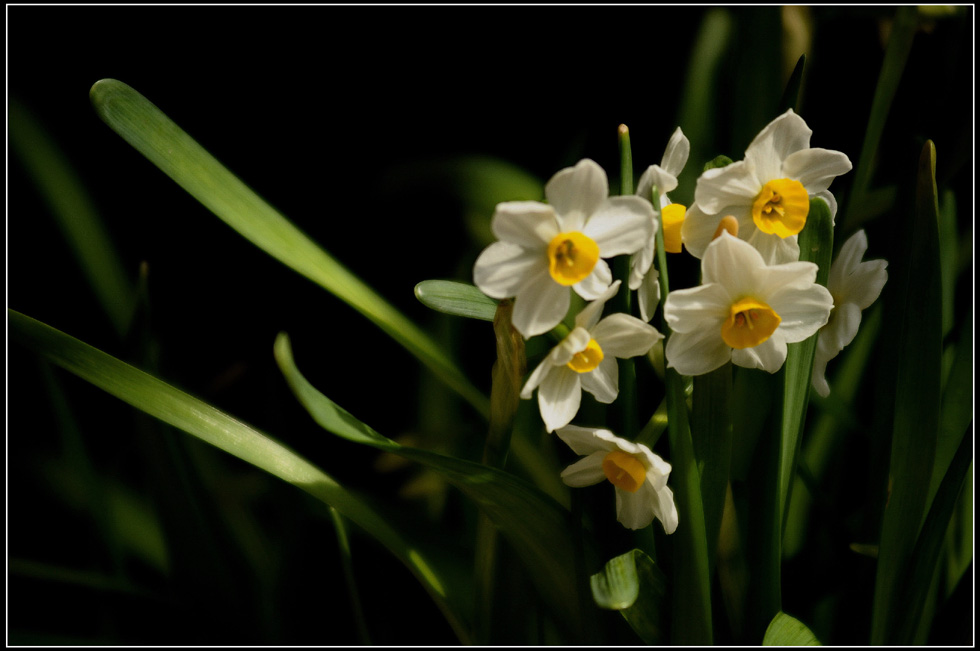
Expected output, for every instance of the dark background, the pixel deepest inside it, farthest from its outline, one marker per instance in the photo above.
(332, 114)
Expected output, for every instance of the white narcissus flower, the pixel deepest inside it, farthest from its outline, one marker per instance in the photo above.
(854, 286)
(644, 277)
(768, 192)
(586, 359)
(639, 475)
(744, 310)
(545, 249)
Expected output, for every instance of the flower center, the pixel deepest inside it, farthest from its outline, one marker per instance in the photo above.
(672, 217)
(586, 359)
(624, 471)
(571, 257)
(751, 322)
(781, 208)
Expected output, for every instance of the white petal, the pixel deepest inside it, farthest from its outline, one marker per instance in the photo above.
(696, 309)
(769, 355)
(621, 225)
(732, 263)
(622, 335)
(530, 224)
(665, 509)
(540, 305)
(783, 136)
(574, 342)
(698, 352)
(536, 378)
(772, 248)
(559, 397)
(642, 260)
(603, 381)
(803, 311)
(655, 176)
(586, 471)
(843, 328)
(648, 294)
(816, 168)
(733, 185)
(586, 440)
(853, 281)
(831, 201)
(699, 228)
(789, 276)
(676, 154)
(596, 283)
(503, 268)
(818, 377)
(634, 510)
(847, 260)
(590, 314)
(577, 192)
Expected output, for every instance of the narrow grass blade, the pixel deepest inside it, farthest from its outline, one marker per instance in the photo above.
(957, 405)
(917, 326)
(791, 95)
(172, 406)
(896, 54)
(623, 416)
(458, 299)
(179, 156)
(76, 215)
(538, 529)
(788, 631)
(343, 542)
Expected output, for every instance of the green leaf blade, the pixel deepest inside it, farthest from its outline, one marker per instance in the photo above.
(785, 630)
(455, 298)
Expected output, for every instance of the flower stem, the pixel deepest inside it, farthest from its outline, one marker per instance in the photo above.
(626, 414)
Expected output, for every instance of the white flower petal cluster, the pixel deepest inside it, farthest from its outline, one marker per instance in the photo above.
(854, 286)
(767, 192)
(744, 310)
(644, 277)
(586, 359)
(545, 249)
(639, 475)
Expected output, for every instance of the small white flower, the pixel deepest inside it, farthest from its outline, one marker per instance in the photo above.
(744, 310)
(586, 359)
(546, 248)
(644, 277)
(768, 192)
(854, 286)
(639, 475)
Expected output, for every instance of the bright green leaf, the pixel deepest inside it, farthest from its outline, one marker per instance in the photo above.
(634, 585)
(458, 299)
(788, 631)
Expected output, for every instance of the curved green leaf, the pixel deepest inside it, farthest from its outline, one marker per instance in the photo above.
(634, 585)
(785, 630)
(537, 527)
(167, 146)
(200, 419)
(458, 299)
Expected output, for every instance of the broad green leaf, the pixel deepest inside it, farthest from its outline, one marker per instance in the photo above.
(957, 405)
(75, 214)
(917, 329)
(200, 419)
(816, 242)
(458, 299)
(896, 54)
(788, 631)
(929, 544)
(634, 585)
(711, 431)
(537, 527)
(168, 147)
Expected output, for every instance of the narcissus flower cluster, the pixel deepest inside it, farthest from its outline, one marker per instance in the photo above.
(755, 295)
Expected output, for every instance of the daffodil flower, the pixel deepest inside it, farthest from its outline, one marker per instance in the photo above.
(639, 475)
(768, 192)
(545, 249)
(744, 310)
(854, 286)
(586, 359)
(644, 278)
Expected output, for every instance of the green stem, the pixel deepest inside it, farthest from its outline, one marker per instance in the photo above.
(345, 560)
(626, 401)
